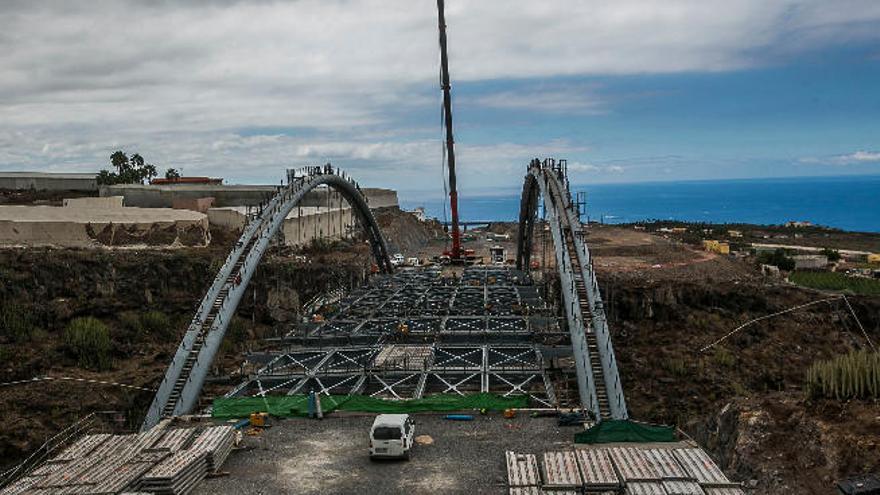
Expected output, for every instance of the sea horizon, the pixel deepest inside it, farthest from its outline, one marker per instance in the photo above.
(847, 202)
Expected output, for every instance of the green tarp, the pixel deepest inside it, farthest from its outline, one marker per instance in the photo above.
(297, 405)
(611, 431)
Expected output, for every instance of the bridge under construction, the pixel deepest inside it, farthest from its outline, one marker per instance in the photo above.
(417, 332)
(406, 335)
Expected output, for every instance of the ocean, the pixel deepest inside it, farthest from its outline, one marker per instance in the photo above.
(849, 203)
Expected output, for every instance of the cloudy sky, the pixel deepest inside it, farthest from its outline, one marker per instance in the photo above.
(626, 90)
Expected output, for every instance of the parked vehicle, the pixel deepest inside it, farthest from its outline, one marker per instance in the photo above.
(391, 436)
(397, 259)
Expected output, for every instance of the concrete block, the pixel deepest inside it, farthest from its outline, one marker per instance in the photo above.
(93, 203)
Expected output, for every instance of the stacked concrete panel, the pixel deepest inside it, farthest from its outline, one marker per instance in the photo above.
(651, 469)
(216, 443)
(178, 474)
(162, 460)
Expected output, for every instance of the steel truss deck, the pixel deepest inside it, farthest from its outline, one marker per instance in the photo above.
(416, 333)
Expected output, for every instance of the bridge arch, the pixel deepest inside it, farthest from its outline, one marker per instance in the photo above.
(183, 381)
(598, 379)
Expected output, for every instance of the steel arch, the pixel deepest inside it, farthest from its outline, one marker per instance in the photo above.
(598, 379)
(180, 389)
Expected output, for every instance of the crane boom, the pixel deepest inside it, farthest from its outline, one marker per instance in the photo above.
(456, 252)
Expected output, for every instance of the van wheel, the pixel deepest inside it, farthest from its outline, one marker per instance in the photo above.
(406, 455)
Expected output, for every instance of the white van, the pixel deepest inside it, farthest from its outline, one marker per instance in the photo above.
(391, 436)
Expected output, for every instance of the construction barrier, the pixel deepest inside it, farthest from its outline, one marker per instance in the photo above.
(611, 431)
(297, 405)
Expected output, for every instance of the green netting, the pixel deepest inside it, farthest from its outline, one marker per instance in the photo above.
(611, 431)
(297, 405)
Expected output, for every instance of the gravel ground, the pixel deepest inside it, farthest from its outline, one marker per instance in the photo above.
(330, 457)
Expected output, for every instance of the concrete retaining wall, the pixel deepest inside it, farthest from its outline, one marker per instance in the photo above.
(94, 203)
(164, 196)
(201, 205)
(41, 181)
(36, 226)
(302, 226)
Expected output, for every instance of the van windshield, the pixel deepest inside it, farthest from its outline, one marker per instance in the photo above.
(386, 433)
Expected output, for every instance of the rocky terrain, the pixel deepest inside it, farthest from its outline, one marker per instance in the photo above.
(743, 399)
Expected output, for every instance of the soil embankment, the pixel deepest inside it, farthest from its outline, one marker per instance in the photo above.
(744, 399)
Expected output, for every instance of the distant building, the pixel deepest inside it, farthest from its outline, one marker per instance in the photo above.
(209, 181)
(810, 261)
(874, 258)
(419, 213)
(679, 230)
(734, 233)
(770, 271)
(45, 181)
(798, 224)
(717, 247)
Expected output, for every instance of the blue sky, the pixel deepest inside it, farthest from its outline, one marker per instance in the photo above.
(627, 91)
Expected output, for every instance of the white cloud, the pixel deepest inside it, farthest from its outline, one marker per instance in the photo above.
(583, 100)
(858, 157)
(179, 81)
(863, 157)
(579, 170)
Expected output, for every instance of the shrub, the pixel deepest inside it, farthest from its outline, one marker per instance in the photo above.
(89, 341)
(675, 366)
(156, 323)
(146, 325)
(723, 357)
(832, 254)
(855, 375)
(778, 258)
(16, 323)
(131, 322)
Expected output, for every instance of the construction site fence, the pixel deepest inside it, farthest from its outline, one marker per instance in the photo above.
(297, 405)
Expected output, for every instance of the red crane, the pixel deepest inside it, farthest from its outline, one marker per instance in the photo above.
(456, 254)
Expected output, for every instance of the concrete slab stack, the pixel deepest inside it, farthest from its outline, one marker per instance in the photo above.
(522, 470)
(648, 469)
(597, 470)
(178, 474)
(216, 443)
(162, 460)
(561, 471)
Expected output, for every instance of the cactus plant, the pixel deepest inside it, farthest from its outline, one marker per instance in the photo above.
(855, 375)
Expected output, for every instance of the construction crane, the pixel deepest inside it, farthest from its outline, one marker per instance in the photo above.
(456, 254)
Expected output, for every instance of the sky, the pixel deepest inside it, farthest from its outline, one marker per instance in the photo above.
(627, 91)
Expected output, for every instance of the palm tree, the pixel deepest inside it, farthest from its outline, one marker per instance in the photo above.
(120, 162)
